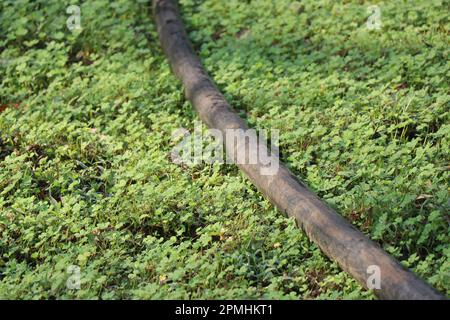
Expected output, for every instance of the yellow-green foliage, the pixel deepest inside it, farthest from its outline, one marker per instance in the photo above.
(85, 137)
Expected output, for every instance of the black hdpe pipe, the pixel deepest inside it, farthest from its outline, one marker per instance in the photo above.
(335, 236)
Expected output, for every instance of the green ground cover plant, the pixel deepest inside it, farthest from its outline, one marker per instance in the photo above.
(86, 118)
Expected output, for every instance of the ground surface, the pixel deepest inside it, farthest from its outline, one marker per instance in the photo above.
(85, 136)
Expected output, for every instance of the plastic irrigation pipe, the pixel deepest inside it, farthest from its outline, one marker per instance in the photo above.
(337, 238)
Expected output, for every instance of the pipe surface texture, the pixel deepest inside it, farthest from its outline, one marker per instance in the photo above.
(337, 238)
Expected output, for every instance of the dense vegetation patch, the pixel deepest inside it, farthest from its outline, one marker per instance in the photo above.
(85, 136)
